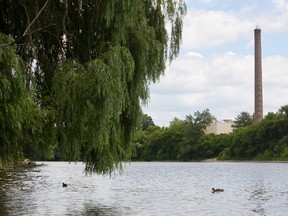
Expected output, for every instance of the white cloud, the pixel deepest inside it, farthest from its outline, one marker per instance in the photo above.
(281, 5)
(275, 78)
(204, 28)
(194, 54)
(207, 1)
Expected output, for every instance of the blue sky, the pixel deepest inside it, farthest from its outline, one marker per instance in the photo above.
(215, 68)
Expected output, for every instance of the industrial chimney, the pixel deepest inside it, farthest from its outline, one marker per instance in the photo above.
(258, 113)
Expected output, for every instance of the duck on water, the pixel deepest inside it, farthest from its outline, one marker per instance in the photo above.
(217, 190)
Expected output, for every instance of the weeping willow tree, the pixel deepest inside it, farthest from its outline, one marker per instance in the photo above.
(20, 117)
(91, 62)
(12, 102)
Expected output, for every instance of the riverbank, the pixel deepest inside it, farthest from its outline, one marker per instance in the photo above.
(21, 165)
(244, 161)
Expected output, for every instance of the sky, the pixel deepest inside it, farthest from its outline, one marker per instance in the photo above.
(215, 66)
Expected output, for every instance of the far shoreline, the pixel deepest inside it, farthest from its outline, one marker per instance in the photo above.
(212, 160)
(244, 161)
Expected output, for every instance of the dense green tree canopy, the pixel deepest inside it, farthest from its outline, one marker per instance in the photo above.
(13, 101)
(242, 120)
(179, 141)
(185, 140)
(90, 63)
(283, 111)
(146, 122)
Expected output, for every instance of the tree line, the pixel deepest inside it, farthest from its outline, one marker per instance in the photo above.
(186, 140)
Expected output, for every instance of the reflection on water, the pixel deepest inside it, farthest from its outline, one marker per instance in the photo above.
(3, 209)
(95, 210)
(147, 189)
(259, 196)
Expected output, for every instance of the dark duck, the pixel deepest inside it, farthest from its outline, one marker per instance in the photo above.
(217, 190)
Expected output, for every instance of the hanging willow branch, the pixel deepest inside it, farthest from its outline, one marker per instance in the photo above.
(35, 18)
(25, 33)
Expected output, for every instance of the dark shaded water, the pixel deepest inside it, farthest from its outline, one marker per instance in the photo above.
(148, 189)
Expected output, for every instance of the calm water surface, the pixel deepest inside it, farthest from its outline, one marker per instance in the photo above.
(148, 189)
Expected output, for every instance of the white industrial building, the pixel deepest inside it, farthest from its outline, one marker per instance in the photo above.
(221, 127)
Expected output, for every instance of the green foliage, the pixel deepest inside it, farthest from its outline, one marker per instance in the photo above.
(283, 111)
(225, 154)
(284, 143)
(264, 141)
(185, 140)
(177, 142)
(210, 145)
(12, 101)
(21, 119)
(89, 100)
(241, 143)
(242, 120)
(146, 122)
(194, 128)
(141, 140)
(162, 144)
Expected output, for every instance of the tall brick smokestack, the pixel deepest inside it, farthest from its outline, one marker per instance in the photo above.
(258, 113)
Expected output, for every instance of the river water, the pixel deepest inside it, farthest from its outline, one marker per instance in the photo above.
(148, 188)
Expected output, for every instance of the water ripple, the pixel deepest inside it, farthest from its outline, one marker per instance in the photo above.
(147, 189)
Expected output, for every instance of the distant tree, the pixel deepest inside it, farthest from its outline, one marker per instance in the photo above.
(200, 120)
(203, 119)
(242, 120)
(176, 122)
(210, 145)
(146, 129)
(283, 111)
(146, 122)
(194, 128)
(164, 143)
(264, 141)
(271, 116)
(242, 146)
(177, 142)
